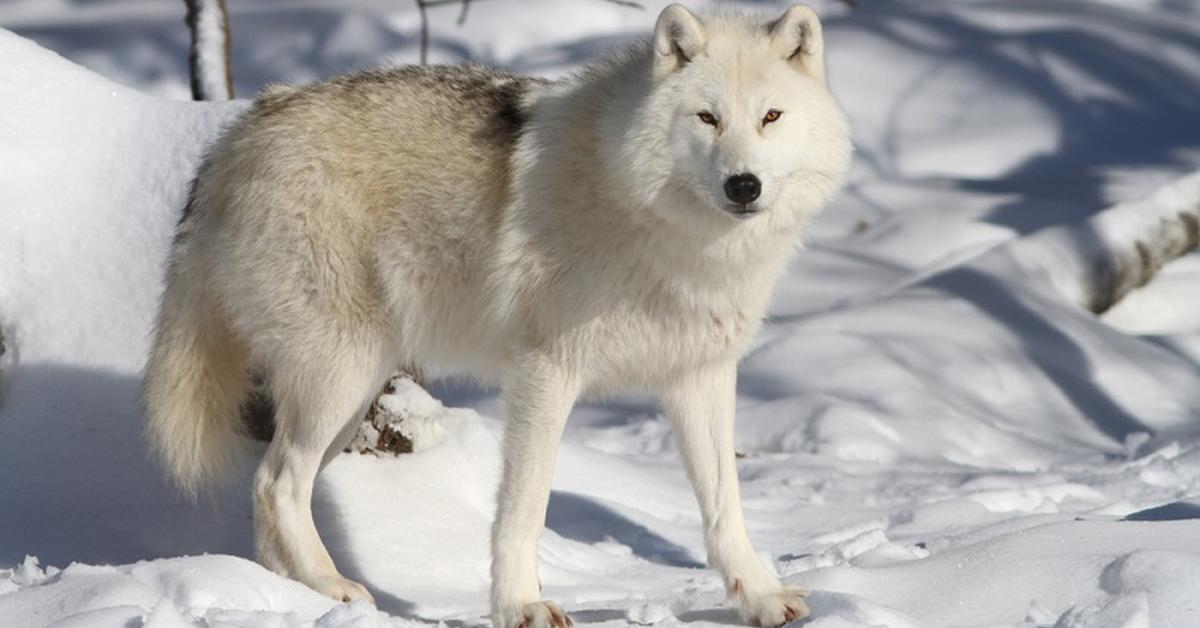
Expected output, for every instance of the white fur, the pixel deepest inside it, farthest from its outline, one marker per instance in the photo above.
(346, 227)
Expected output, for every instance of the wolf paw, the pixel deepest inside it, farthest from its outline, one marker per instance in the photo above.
(544, 614)
(342, 589)
(771, 608)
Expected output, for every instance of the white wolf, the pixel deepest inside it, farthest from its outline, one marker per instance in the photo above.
(618, 230)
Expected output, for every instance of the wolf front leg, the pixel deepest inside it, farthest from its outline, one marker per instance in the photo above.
(701, 409)
(539, 396)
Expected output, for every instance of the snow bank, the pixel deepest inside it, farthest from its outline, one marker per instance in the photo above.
(172, 593)
(94, 176)
(92, 180)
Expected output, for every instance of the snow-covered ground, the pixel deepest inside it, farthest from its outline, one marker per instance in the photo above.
(936, 433)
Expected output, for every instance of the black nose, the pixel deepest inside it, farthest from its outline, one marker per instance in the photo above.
(743, 188)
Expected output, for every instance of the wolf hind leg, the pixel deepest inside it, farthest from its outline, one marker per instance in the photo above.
(319, 397)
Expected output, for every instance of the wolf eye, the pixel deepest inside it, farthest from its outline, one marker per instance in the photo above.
(707, 118)
(771, 116)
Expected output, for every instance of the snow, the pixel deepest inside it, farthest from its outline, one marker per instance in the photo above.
(165, 594)
(936, 431)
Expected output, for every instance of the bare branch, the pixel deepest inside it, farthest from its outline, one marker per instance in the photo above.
(424, 5)
(625, 3)
(421, 6)
(5, 363)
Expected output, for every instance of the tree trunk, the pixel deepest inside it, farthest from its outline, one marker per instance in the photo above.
(5, 358)
(212, 73)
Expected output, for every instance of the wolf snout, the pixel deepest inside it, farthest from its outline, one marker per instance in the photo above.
(743, 189)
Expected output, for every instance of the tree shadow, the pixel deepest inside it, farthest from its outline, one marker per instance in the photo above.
(76, 483)
(721, 616)
(583, 519)
(331, 526)
(462, 392)
(293, 45)
(1135, 110)
(280, 44)
(1174, 511)
(1058, 356)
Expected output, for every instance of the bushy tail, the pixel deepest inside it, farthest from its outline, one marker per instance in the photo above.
(195, 380)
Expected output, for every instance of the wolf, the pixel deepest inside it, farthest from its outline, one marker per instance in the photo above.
(618, 230)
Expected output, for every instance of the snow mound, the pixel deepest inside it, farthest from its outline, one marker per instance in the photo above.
(188, 592)
(93, 181)
(1091, 568)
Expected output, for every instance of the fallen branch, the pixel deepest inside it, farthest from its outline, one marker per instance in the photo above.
(1100, 260)
(1172, 235)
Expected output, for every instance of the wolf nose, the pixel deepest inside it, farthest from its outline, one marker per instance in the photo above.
(743, 188)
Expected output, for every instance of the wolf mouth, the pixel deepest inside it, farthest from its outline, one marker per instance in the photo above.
(742, 212)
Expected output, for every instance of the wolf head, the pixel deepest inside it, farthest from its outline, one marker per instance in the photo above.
(739, 118)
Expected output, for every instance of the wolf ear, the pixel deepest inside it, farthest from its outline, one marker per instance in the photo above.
(678, 38)
(797, 37)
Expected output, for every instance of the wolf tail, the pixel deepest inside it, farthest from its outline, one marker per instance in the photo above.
(195, 380)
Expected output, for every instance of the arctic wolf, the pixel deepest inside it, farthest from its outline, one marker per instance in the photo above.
(618, 230)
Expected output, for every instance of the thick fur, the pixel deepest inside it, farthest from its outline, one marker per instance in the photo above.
(563, 239)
